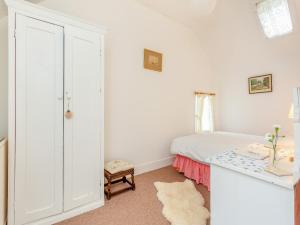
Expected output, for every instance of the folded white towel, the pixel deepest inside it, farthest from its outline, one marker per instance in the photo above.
(283, 153)
(255, 151)
(259, 149)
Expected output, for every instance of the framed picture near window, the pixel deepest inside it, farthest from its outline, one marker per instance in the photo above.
(152, 60)
(260, 84)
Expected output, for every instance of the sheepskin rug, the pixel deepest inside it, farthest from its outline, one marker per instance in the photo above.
(182, 203)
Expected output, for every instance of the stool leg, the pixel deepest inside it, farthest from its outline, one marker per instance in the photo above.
(132, 180)
(124, 179)
(108, 189)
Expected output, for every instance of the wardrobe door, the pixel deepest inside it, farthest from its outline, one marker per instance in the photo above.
(83, 126)
(39, 120)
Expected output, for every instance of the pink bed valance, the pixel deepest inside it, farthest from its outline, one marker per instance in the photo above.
(193, 170)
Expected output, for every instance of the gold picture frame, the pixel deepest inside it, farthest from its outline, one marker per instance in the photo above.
(152, 60)
(260, 84)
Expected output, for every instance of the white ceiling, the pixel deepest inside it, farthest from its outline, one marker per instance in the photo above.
(189, 12)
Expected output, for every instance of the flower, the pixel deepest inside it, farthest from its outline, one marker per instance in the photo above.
(276, 126)
(269, 137)
(273, 139)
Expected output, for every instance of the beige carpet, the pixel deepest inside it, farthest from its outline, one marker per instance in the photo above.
(140, 207)
(183, 204)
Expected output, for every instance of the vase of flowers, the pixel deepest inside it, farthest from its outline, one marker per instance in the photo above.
(273, 139)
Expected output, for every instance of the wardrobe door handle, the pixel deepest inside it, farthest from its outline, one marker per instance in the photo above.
(68, 114)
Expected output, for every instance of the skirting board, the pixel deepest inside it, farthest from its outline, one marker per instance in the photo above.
(69, 214)
(154, 165)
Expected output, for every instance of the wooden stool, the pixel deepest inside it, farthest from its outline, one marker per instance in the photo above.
(116, 172)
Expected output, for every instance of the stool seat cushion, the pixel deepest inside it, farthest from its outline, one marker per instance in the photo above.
(117, 166)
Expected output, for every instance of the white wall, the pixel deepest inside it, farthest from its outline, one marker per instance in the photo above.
(144, 110)
(238, 49)
(3, 77)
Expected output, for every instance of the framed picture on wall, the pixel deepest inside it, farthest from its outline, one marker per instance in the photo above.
(260, 84)
(152, 60)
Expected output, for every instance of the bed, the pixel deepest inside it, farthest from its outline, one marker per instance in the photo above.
(193, 151)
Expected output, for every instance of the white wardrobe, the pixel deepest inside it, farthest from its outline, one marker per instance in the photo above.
(56, 116)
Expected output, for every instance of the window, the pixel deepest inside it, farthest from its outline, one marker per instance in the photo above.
(275, 17)
(204, 112)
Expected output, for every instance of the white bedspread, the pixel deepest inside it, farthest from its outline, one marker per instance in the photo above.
(200, 147)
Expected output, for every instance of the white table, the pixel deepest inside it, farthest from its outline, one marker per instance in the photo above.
(242, 193)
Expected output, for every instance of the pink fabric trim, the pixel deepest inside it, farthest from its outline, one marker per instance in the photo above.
(193, 170)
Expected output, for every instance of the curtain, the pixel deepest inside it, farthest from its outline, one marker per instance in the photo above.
(275, 17)
(211, 114)
(199, 101)
(204, 113)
